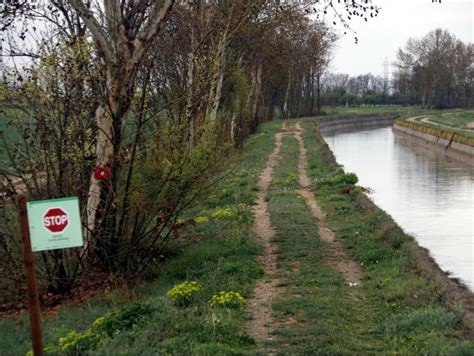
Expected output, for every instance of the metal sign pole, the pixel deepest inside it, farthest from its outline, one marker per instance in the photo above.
(32, 284)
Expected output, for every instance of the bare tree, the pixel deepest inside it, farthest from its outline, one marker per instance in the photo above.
(428, 61)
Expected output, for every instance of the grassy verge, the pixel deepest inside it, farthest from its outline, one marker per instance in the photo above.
(457, 119)
(318, 313)
(396, 310)
(359, 110)
(219, 253)
(400, 309)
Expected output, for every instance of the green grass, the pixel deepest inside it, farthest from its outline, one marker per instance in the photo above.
(369, 109)
(12, 122)
(329, 320)
(458, 119)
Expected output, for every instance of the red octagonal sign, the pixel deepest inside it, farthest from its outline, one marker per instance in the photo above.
(55, 220)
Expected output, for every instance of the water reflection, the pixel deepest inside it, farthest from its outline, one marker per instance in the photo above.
(429, 195)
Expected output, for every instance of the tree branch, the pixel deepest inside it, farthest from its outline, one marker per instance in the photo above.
(156, 18)
(94, 27)
(112, 15)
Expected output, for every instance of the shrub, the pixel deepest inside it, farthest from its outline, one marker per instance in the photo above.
(123, 319)
(183, 294)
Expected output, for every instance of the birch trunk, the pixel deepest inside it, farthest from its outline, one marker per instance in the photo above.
(110, 119)
(217, 78)
(104, 154)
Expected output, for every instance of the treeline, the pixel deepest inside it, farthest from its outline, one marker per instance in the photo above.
(132, 106)
(367, 89)
(435, 71)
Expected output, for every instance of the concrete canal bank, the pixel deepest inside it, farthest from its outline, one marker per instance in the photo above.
(329, 124)
(452, 144)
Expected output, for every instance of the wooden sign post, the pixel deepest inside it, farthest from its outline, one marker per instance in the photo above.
(45, 225)
(32, 283)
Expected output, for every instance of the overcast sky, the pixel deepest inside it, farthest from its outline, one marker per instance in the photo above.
(397, 21)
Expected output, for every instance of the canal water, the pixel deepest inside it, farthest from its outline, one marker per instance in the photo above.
(428, 194)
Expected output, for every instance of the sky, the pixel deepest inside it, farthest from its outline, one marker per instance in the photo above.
(398, 20)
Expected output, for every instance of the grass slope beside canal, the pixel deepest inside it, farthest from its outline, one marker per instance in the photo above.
(397, 309)
(368, 109)
(458, 118)
(443, 123)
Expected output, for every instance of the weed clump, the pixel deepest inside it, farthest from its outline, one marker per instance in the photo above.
(346, 179)
(227, 299)
(102, 328)
(222, 214)
(201, 219)
(340, 180)
(183, 294)
(417, 321)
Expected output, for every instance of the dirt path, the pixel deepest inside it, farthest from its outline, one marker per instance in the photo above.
(415, 118)
(349, 269)
(427, 120)
(265, 292)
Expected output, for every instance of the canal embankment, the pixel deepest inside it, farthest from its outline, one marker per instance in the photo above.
(427, 193)
(327, 124)
(454, 144)
(397, 269)
(372, 235)
(325, 231)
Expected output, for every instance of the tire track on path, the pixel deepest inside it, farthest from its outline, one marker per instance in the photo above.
(266, 289)
(339, 259)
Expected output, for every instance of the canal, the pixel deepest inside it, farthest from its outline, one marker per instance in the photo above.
(428, 194)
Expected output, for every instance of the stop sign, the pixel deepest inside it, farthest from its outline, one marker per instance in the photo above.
(55, 220)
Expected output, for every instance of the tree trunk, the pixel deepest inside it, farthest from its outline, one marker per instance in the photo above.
(104, 154)
(312, 96)
(216, 85)
(233, 126)
(189, 114)
(101, 204)
(258, 92)
(286, 113)
(318, 94)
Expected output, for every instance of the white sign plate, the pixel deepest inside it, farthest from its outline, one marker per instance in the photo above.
(54, 224)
